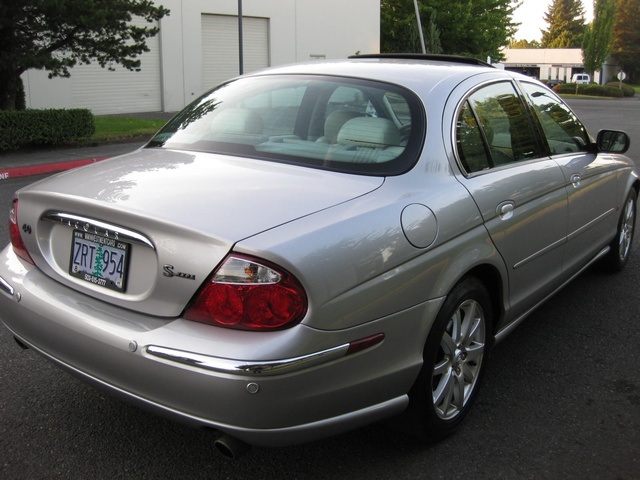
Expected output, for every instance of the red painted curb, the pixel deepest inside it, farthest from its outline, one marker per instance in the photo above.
(16, 172)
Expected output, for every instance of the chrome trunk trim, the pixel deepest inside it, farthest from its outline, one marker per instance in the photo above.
(99, 228)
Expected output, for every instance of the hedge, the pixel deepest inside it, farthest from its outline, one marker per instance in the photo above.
(595, 90)
(627, 90)
(43, 127)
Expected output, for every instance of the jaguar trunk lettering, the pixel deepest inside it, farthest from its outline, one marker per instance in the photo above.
(169, 272)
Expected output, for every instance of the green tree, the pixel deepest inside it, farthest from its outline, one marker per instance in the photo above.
(524, 44)
(55, 35)
(432, 37)
(478, 28)
(97, 267)
(399, 28)
(626, 33)
(598, 36)
(566, 24)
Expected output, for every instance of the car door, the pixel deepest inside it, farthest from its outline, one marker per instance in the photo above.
(520, 191)
(590, 178)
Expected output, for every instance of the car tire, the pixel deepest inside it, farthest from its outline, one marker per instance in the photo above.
(620, 251)
(454, 362)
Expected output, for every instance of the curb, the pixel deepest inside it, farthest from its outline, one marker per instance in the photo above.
(15, 172)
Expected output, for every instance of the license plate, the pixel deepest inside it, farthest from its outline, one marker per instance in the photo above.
(99, 260)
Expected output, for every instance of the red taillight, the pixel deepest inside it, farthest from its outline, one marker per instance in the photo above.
(249, 294)
(14, 233)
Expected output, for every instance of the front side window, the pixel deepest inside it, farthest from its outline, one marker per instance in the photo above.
(348, 125)
(494, 129)
(563, 131)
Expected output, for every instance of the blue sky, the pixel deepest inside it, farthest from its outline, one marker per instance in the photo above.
(531, 15)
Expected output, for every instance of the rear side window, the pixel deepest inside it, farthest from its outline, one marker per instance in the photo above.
(347, 125)
(472, 148)
(494, 129)
(563, 131)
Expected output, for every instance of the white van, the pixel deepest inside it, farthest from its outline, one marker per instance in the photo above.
(581, 78)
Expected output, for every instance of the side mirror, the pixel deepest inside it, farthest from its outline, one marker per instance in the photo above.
(612, 141)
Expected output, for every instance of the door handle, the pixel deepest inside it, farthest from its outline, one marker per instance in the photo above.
(505, 210)
(575, 180)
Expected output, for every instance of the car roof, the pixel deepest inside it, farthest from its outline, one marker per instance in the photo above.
(411, 70)
(425, 57)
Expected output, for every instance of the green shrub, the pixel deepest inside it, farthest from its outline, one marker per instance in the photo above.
(591, 89)
(43, 127)
(610, 91)
(566, 88)
(627, 90)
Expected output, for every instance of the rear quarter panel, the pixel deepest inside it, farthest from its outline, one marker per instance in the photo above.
(356, 263)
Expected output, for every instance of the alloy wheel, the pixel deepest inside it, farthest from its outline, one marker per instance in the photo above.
(626, 229)
(459, 360)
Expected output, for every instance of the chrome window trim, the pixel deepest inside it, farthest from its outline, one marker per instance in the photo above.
(454, 123)
(454, 126)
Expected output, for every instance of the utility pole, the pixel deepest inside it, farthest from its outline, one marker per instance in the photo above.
(424, 49)
(240, 48)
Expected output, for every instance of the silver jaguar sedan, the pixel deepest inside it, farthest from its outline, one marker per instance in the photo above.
(312, 248)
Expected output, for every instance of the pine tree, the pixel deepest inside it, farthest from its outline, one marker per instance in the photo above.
(433, 35)
(626, 33)
(566, 24)
(98, 261)
(598, 37)
(55, 35)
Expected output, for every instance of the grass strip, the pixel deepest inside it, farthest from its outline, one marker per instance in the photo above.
(112, 129)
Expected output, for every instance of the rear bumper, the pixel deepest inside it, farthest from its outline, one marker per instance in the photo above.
(263, 436)
(315, 390)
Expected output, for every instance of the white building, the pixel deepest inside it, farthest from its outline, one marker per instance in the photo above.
(197, 48)
(546, 63)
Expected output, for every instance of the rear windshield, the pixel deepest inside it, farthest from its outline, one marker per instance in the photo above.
(340, 124)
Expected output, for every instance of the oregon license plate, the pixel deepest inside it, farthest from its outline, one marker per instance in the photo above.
(99, 260)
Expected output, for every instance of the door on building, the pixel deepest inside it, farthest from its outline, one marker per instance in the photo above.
(118, 90)
(220, 52)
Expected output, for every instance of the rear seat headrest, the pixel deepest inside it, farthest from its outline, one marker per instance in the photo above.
(334, 123)
(369, 132)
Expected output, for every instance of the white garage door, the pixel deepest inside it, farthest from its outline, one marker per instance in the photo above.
(220, 50)
(120, 91)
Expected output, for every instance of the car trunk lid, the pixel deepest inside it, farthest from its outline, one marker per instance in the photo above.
(163, 220)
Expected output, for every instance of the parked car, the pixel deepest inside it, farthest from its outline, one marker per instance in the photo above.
(581, 78)
(312, 248)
